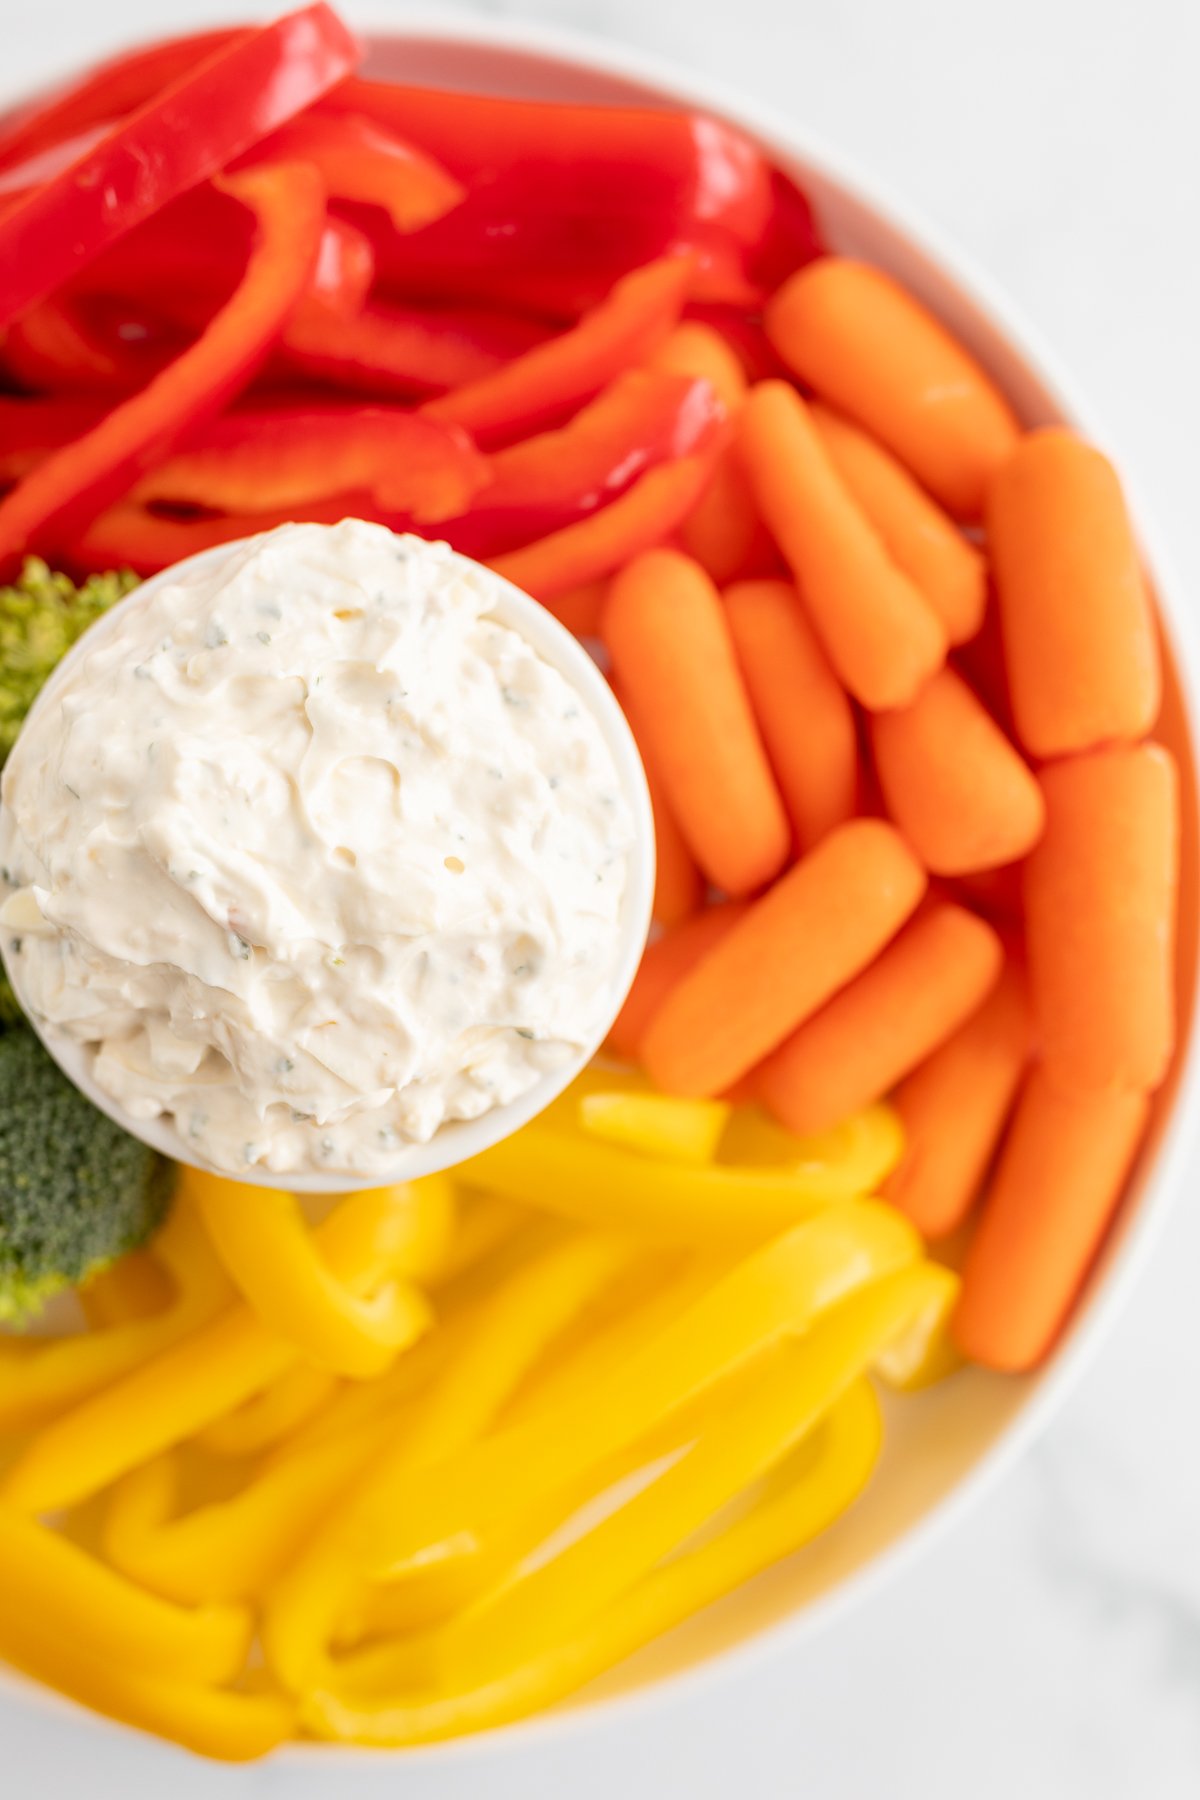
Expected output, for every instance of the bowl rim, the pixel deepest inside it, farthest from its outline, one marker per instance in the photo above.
(457, 1140)
(1051, 1387)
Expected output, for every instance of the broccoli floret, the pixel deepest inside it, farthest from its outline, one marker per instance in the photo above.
(76, 1191)
(41, 616)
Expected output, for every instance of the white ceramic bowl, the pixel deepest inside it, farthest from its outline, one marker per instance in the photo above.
(460, 1139)
(945, 1448)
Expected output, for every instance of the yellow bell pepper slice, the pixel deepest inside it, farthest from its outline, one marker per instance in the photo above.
(613, 1188)
(185, 1388)
(775, 1292)
(797, 1506)
(41, 1378)
(484, 1222)
(272, 1416)
(395, 1524)
(508, 1332)
(134, 1287)
(684, 1131)
(794, 1384)
(45, 1575)
(262, 1238)
(233, 1727)
(228, 1550)
(925, 1351)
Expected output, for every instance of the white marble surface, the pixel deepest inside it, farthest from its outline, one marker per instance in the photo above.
(1050, 1646)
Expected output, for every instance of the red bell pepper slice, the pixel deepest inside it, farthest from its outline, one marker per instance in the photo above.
(359, 159)
(288, 204)
(563, 199)
(745, 337)
(644, 418)
(184, 263)
(790, 237)
(31, 429)
(106, 92)
(722, 175)
(596, 546)
(17, 179)
(405, 351)
(547, 381)
(131, 536)
(189, 131)
(63, 344)
(257, 461)
(344, 270)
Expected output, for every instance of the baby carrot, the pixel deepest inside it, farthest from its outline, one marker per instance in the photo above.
(820, 924)
(952, 781)
(694, 348)
(581, 609)
(1079, 636)
(996, 893)
(919, 537)
(871, 350)
(881, 635)
(953, 1108)
(679, 887)
(723, 531)
(926, 984)
(802, 710)
(674, 657)
(1100, 897)
(1060, 1176)
(667, 960)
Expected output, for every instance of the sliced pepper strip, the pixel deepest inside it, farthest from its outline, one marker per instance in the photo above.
(130, 536)
(258, 461)
(800, 1503)
(43, 1572)
(508, 1332)
(229, 1550)
(549, 379)
(232, 1727)
(53, 348)
(596, 546)
(359, 159)
(659, 1125)
(42, 1378)
(387, 349)
(187, 132)
(133, 1287)
(393, 1525)
(641, 419)
(344, 269)
(78, 480)
(30, 429)
(793, 1386)
(271, 1416)
(107, 91)
(776, 1293)
(608, 1186)
(563, 199)
(161, 1402)
(268, 1249)
(234, 1548)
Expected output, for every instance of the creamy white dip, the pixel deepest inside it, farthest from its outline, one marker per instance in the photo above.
(315, 853)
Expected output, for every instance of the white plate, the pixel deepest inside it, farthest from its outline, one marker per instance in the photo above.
(945, 1449)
